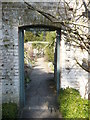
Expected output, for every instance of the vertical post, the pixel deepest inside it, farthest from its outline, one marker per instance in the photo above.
(1, 59)
(21, 67)
(58, 60)
(55, 62)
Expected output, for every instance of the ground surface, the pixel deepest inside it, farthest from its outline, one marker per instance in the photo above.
(41, 98)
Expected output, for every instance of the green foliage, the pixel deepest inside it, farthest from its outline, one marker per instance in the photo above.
(39, 36)
(29, 36)
(9, 110)
(71, 104)
(28, 62)
(49, 52)
(89, 108)
(39, 46)
(51, 67)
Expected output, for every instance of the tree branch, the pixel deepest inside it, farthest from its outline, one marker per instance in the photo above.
(71, 28)
(45, 14)
(88, 70)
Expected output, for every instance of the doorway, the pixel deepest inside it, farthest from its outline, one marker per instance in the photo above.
(21, 58)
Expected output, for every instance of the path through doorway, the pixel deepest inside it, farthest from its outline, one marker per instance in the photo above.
(41, 95)
(21, 53)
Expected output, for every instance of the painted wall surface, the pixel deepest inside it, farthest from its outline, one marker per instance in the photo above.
(13, 16)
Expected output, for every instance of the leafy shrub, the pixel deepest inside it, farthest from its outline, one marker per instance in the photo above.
(71, 104)
(9, 111)
(30, 36)
(89, 108)
(49, 51)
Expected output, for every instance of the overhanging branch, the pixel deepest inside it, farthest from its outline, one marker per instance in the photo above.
(45, 14)
(87, 70)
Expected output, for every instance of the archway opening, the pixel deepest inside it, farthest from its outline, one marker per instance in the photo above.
(36, 54)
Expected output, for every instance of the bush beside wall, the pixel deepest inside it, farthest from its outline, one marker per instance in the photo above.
(71, 104)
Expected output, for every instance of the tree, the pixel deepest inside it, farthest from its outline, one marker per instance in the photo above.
(30, 36)
(74, 23)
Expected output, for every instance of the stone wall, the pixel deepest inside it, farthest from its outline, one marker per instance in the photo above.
(15, 15)
(72, 75)
(10, 71)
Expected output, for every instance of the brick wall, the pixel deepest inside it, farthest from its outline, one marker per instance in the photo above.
(15, 15)
(72, 75)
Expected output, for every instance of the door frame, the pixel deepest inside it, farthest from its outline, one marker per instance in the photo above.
(21, 67)
(21, 60)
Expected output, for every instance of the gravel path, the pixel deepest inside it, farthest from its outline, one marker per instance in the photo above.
(41, 99)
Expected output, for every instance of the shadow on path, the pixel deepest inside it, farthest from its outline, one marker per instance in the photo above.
(41, 99)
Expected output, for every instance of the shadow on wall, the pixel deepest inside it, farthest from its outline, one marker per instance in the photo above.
(75, 78)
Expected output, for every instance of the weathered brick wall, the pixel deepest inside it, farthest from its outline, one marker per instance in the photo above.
(10, 71)
(72, 75)
(15, 15)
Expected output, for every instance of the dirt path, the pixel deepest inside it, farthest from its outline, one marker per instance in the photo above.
(41, 99)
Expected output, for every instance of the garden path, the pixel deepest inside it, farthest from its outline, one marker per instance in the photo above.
(41, 98)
